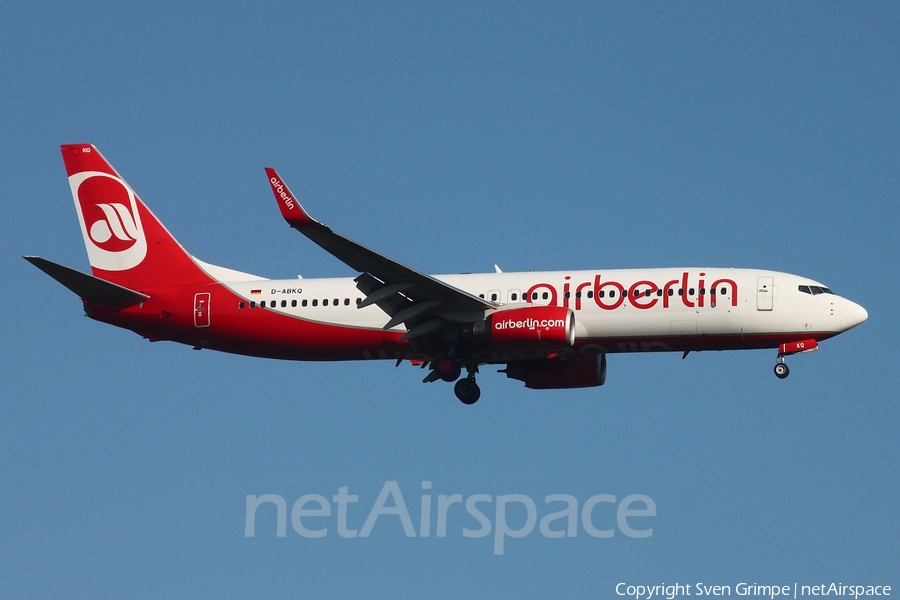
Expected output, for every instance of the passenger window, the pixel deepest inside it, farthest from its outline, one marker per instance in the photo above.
(337, 302)
(578, 294)
(283, 303)
(545, 295)
(647, 293)
(293, 303)
(671, 292)
(591, 294)
(690, 291)
(252, 304)
(346, 301)
(325, 302)
(359, 301)
(612, 293)
(659, 292)
(680, 292)
(481, 295)
(513, 297)
(534, 295)
(240, 305)
(702, 291)
(304, 302)
(567, 295)
(315, 302)
(601, 294)
(493, 297)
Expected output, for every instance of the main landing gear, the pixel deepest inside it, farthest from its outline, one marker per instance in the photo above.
(448, 368)
(467, 390)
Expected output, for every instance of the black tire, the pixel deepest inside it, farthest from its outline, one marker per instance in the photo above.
(781, 370)
(467, 391)
(448, 368)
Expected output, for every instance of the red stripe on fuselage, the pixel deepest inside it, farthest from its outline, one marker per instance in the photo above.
(251, 331)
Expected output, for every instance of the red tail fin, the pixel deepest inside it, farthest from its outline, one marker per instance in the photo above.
(125, 242)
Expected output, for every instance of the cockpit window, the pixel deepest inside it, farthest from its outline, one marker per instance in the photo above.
(815, 290)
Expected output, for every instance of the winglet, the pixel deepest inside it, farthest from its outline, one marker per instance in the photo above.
(291, 210)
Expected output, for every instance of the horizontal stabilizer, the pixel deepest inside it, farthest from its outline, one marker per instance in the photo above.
(88, 287)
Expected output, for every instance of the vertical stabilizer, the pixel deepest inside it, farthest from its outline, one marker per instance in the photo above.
(125, 242)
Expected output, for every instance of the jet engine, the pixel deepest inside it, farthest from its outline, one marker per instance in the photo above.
(584, 370)
(528, 327)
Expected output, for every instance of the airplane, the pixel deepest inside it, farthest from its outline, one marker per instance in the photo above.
(550, 330)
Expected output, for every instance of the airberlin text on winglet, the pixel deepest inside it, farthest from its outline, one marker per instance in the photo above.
(282, 192)
(561, 518)
(287, 202)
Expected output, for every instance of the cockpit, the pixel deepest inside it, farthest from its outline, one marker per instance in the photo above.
(815, 290)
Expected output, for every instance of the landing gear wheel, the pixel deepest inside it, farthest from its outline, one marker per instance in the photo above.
(447, 368)
(781, 370)
(467, 391)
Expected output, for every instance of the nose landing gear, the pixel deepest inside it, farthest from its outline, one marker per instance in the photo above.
(781, 368)
(788, 349)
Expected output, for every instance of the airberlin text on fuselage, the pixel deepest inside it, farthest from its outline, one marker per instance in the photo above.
(644, 294)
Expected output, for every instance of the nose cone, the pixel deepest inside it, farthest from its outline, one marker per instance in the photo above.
(852, 314)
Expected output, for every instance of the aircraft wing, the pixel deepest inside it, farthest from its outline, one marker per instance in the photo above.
(403, 292)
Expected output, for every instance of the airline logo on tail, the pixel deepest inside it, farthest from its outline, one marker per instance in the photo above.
(110, 222)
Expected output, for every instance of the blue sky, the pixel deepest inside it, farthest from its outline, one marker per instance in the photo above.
(452, 136)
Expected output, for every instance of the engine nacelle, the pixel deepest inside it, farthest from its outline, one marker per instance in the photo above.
(529, 327)
(583, 370)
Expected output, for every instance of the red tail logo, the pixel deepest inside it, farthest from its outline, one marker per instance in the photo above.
(110, 222)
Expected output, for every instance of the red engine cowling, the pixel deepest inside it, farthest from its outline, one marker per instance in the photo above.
(585, 370)
(529, 327)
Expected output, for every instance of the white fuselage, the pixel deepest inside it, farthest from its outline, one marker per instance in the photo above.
(656, 307)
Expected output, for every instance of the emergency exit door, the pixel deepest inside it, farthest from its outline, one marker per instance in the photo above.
(201, 309)
(765, 290)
